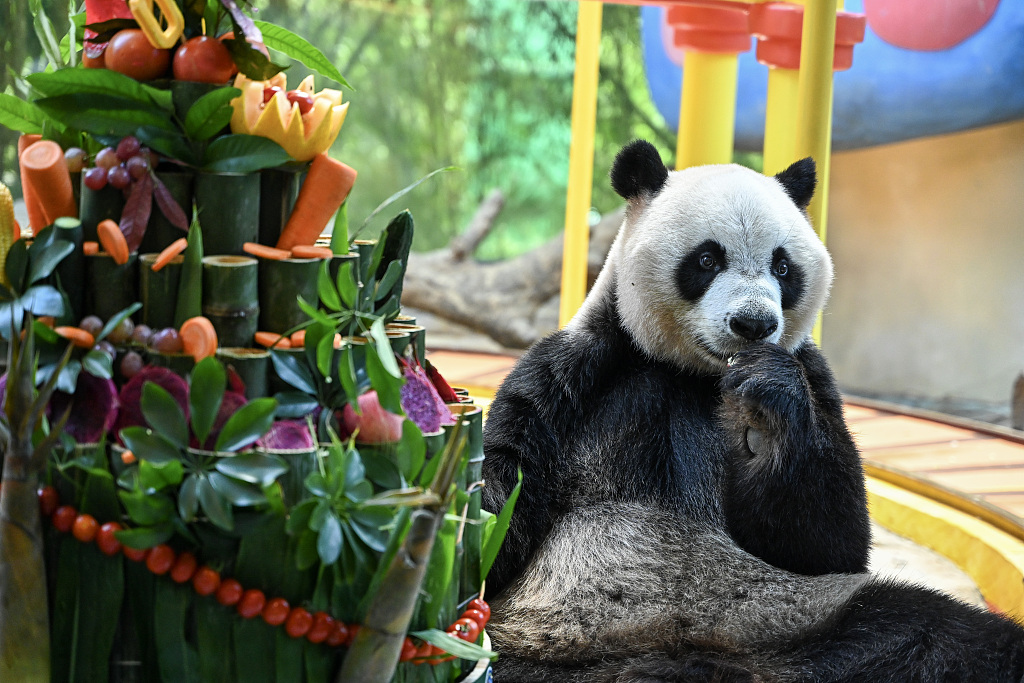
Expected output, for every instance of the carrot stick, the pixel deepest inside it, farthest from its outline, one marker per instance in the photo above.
(306, 251)
(170, 251)
(90, 248)
(198, 338)
(113, 241)
(263, 251)
(326, 186)
(298, 339)
(36, 219)
(44, 170)
(272, 340)
(83, 339)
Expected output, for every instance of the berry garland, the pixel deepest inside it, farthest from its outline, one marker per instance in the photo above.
(298, 622)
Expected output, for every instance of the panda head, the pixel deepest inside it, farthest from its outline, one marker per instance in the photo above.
(714, 258)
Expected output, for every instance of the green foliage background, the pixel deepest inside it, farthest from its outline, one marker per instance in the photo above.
(482, 85)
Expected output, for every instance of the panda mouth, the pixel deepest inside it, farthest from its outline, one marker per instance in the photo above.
(718, 357)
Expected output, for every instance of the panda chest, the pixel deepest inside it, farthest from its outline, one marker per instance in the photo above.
(653, 442)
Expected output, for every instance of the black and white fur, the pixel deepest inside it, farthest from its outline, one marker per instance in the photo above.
(693, 507)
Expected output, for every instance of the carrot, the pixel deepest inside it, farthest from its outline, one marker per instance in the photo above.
(263, 251)
(36, 219)
(47, 320)
(44, 169)
(307, 251)
(298, 339)
(272, 340)
(83, 339)
(127, 457)
(90, 248)
(170, 251)
(198, 338)
(325, 188)
(113, 241)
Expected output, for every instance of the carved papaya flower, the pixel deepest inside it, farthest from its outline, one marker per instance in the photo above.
(302, 128)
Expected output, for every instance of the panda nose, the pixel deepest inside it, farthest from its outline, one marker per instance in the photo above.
(752, 329)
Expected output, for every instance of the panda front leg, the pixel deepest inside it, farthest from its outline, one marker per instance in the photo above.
(795, 493)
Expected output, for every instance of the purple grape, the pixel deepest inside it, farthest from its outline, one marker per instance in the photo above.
(91, 324)
(107, 158)
(119, 177)
(128, 147)
(106, 347)
(141, 334)
(123, 331)
(95, 178)
(137, 166)
(74, 157)
(166, 341)
(131, 363)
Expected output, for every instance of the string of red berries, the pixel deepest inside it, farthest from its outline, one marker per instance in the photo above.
(298, 622)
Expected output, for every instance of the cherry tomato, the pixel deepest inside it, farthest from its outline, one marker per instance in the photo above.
(85, 528)
(298, 623)
(276, 611)
(301, 98)
(476, 615)
(339, 635)
(183, 568)
(161, 559)
(106, 540)
(203, 59)
(425, 649)
(229, 592)
(49, 500)
(135, 554)
(270, 91)
(484, 608)
(206, 581)
(353, 631)
(408, 650)
(93, 58)
(466, 629)
(64, 518)
(323, 624)
(252, 603)
(131, 53)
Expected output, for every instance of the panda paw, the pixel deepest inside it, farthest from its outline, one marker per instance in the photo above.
(766, 397)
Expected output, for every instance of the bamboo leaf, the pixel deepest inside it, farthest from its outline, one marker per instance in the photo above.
(497, 534)
(326, 289)
(190, 286)
(387, 283)
(116, 320)
(298, 48)
(347, 286)
(178, 659)
(455, 646)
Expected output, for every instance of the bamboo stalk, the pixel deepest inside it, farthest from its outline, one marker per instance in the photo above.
(280, 282)
(110, 287)
(158, 290)
(228, 205)
(230, 298)
(71, 269)
(252, 365)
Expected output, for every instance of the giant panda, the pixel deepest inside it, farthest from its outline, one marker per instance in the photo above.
(692, 506)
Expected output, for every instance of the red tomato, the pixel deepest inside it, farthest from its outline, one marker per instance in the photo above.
(49, 501)
(135, 554)
(206, 581)
(92, 58)
(161, 559)
(203, 59)
(252, 603)
(425, 649)
(106, 541)
(466, 629)
(269, 92)
(323, 624)
(85, 528)
(183, 568)
(476, 615)
(301, 98)
(64, 518)
(479, 604)
(408, 650)
(339, 636)
(131, 53)
(276, 611)
(299, 622)
(229, 592)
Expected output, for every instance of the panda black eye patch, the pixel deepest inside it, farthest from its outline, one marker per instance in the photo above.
(698, 269)
(790, 277)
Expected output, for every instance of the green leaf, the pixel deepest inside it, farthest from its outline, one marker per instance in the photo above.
(96, 82)
(319, 515)
(388, 387)
(292, 369)
(328, 540)
(190, 286)
(455, 646)
(205, 393)
(46, 36)
(384, 350)
(20, 115)
(164, 414)
(147, 445)
(210, 114)
(317, 485)
(146, 508)
(387, 283)
(255, 468)
(294, 404)
(249, 423)
(305, 550)
(369, 525)
(298, 519)
(339, 231)
(169, 143)
(325, 287)
(243, 154)
(298, 48)
(217, 508)
(16, 266)
(188, 498)
(116, 319)
(347, 286)
(157, 476)
(43, 300)
(101, 115)
(98, 364)
(43, 260)
(497, 535)
(143, 537)
(237, 493)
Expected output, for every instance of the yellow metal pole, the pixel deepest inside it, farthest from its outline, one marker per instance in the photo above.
(581, 160)
(707, 110)
(780, 115)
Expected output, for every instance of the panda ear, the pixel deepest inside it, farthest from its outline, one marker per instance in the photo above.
(798, 181)
(637, 170)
